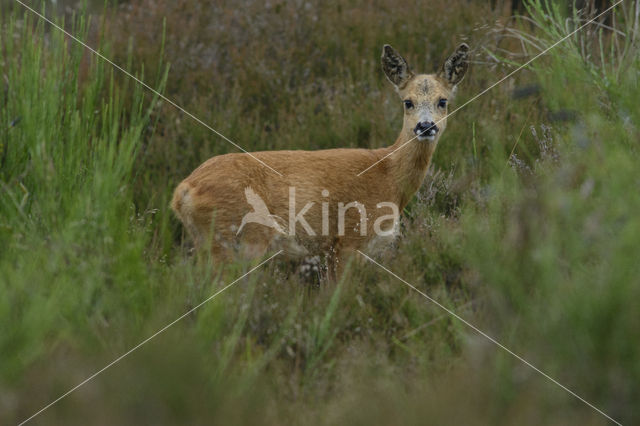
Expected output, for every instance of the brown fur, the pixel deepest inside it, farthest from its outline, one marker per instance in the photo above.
(211, 201)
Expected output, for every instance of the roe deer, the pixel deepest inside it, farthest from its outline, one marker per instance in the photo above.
(322, 203)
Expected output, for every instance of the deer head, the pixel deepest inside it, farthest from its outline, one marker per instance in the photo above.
(425, 96)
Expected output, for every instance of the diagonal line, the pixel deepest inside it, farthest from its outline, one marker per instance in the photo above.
(91, 377)
(101, 56)
(494, 341)
(493, 85)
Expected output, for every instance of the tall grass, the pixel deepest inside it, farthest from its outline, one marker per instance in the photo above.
(557, 243)
(525, 227)
(68, 227)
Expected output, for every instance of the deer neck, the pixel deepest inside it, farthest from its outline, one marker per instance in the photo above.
(409, 164)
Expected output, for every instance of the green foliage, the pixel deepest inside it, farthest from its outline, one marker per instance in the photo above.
(525, 226)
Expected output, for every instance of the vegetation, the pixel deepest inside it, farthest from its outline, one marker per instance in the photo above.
(526, 227)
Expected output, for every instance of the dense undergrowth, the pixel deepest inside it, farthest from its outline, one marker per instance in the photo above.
(527, 225)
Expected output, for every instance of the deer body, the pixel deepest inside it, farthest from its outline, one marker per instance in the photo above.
(322, 203)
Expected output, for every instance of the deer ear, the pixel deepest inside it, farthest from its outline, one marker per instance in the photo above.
(395, 67)
(455, 67)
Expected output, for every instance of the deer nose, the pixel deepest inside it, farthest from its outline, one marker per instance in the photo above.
(426, 128)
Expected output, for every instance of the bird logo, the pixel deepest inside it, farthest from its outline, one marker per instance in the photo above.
(260, 213)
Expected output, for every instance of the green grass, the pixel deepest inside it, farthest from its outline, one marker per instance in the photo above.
(539, 248)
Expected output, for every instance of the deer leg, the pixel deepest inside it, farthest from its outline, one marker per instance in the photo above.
(255, 244)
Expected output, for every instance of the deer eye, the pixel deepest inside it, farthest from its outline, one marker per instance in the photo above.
(408, 104)
(442, 103)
